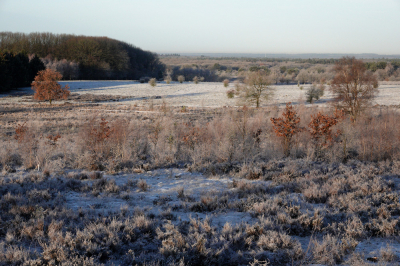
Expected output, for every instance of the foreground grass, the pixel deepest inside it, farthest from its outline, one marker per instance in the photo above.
(193, 187)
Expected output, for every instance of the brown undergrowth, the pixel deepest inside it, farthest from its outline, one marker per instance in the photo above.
(336, 188)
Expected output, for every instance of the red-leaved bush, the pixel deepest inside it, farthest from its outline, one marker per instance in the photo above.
(321, 129)
(287, 127)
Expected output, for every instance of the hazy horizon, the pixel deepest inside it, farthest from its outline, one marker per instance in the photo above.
(293, 55)
(254, 27)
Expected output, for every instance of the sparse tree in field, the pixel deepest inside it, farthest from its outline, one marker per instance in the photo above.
(230, 94)
(314, 92)
(226, 83)
(181, 78)
(46, 86)
(168, 79)
(389, 69)
(353, 87)
(275, 76)
(153, 82)
(287, 127)
(196, 80)
(255, 89)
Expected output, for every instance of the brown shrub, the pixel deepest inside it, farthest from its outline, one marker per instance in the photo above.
(286, 127)
(321, 130)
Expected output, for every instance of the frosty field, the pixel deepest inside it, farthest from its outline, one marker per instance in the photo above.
(206, 94)
(211, 94)
(121, 174)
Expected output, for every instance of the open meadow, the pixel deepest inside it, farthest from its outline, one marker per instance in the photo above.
(122, 173)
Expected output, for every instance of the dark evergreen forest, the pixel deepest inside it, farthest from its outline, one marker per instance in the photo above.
(18, 70)
(86, 58)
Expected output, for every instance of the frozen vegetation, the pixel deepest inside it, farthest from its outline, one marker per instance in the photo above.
(126, 174)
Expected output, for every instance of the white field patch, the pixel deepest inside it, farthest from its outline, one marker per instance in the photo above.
(211, 94)
(204, 94)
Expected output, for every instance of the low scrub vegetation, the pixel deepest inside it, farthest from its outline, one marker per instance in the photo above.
(303, 187)
(281, 70)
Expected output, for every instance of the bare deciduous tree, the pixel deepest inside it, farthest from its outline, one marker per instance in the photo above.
(353, 86)
(256, 88)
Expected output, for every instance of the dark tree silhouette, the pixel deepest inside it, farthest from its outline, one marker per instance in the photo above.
(16, 70)
(98, 57)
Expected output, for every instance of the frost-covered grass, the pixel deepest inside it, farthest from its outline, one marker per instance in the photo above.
(163, 185)
(297, 212)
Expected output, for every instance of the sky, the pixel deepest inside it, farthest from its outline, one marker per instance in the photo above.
(218, 26)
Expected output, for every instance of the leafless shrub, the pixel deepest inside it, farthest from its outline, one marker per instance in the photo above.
(36, 196)
(27, 144)
(153, 82)
(230, 94)
(181, 192)
(387, 254)
(273, 241)
(54, 253)
(142, 184)
(172, 240)
(168, 79)
(226, 83)
(244, 185)
(14, 255)
(142, 222)
(95, 175)
(181, 78)
(355, 228)
(105, 185)
(314, 92)
(316, 193)
(328, 251)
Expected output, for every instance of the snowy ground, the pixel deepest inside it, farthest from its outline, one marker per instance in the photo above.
(162, 199)
(162, 195)
(206, 94)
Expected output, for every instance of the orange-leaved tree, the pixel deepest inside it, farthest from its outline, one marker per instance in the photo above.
(46, 86)
(321, 129)
(287, 127)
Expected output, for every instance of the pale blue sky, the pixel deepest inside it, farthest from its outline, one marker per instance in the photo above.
(231, 26)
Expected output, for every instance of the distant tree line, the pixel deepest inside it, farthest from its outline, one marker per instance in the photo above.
(314, 61)
(169, 55)
(190, 72)
(81, 57)
(18, 70)
(276, 60)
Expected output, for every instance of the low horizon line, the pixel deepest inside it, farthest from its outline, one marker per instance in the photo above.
(282, 55)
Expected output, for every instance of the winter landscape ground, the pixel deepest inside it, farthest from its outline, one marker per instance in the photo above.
(122, 173)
